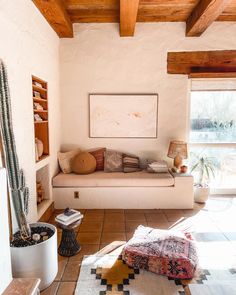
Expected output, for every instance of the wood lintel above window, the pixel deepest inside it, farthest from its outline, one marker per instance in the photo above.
(203, 64)
(212, 75)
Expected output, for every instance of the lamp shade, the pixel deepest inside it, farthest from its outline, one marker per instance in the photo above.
(178, 148)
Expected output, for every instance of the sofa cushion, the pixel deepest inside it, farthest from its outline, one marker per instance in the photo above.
(120, 179)
(113, 161)
(84, 163)
(163, 252)
(99, 156)
(65, 160)
(130, 163)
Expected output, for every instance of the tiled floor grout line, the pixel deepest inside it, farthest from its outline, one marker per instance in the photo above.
(57, 288)
(126, 236)
(164, 213)
(103, 220)
(125, 226)
(146, 218)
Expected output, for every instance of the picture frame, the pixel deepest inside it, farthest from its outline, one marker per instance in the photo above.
(123, 115)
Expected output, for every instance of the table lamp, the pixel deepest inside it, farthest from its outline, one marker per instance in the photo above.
(178, 152)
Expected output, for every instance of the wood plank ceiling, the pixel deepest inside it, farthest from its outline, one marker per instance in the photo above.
(198, 14)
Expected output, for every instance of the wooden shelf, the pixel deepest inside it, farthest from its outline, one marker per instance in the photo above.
(40, 122)
(37, 79)
(40, 111)
(41, 127)
(42, 165)
(39, 89)
(36, 99)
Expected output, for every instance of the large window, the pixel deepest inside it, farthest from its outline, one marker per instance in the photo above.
(213, 129)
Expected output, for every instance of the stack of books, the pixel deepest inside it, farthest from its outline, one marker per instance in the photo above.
(69, 216)
(159, 167)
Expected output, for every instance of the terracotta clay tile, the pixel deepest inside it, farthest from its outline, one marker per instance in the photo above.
(89, 238)
(66, 288)
(71, 271)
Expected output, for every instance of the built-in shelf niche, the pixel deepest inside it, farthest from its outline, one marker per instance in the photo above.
(43, 177)
(40, 113)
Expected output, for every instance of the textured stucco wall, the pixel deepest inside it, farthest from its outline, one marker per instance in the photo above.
(97, 60)
(5, 258)
(29, 46)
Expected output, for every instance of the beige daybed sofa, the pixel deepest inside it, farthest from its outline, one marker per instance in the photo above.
(123, 190)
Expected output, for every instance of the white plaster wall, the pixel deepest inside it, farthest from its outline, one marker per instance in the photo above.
(29, 46)
(5, 258)
(97, 60)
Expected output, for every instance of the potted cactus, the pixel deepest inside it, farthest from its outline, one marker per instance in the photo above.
(33, 246)
(206, 168)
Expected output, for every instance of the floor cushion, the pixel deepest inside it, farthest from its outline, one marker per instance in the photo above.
(163, 252)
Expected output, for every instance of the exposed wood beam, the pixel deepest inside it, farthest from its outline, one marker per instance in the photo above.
(128, 17)
(203, 15)
(220, 61)
(213, 75)
(56, 15)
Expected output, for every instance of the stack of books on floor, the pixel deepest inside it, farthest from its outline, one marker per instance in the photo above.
(68, 217)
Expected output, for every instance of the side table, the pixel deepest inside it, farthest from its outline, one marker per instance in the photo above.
(26, 286)
(69, 245)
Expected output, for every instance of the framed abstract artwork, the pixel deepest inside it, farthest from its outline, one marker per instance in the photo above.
(123, 115)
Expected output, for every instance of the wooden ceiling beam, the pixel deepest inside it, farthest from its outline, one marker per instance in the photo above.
(128, 17)
(220, 61)
(213, 75)
(56, 15)
(203, 15)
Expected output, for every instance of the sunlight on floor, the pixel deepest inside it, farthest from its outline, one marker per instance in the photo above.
(102, 232)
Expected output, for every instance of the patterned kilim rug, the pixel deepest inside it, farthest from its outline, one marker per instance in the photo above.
(109, 275)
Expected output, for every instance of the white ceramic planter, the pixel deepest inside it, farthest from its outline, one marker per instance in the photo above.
(201, 194)
(37, 261)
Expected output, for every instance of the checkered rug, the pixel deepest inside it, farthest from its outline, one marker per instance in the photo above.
(109, 275)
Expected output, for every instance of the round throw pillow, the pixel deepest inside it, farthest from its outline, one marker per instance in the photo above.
(84, 163)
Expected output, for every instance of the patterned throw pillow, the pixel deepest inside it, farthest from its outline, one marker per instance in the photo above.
(130, 163)
(65, 160)
(99, 156)
(113, 161)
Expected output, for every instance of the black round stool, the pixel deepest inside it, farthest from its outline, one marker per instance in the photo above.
(69, 245)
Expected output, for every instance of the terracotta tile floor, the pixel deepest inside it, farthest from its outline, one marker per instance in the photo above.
(213, 226)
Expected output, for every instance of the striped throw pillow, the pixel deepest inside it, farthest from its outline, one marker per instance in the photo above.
(130, 163)
(99, 156)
